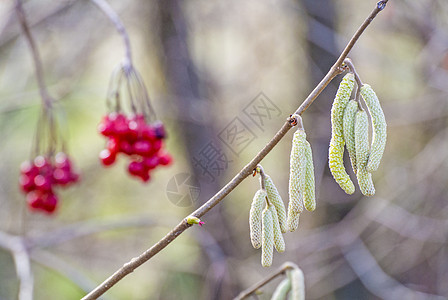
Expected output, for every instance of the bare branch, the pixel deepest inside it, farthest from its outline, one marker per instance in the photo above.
(47, 100)
(115, 19)
(245, 172)
(22, 262)
(248, 292)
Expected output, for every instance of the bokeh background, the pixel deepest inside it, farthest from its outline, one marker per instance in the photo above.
(205, 65)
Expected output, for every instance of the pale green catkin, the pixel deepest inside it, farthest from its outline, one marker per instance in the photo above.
(336, 150)
(293, 220)
(362, 153)
(275, 198)
(297, 284)
(282, 290)
(309, 196)
(349, 131)
(379, 127)
(267, 243)
(297, 179)
(256, 209)
(279, 242)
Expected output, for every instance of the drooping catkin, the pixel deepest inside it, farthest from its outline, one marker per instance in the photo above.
(379, 126)
(297, 175)
(349, 131)
(309, 196)
(267, 243)
(282, 290)
(275, 198)
(362, 153)
(255, 217)
(293, 220)
(336, 150)
(279, 242)
(297, 284)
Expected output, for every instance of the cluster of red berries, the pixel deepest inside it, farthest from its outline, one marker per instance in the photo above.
(38, 178)
(141, 141)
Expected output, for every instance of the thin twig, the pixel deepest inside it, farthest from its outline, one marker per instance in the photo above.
(47, 100)
(259, 169)
(22, 263)
(248, 292)
(115, 19)
(245, 172)
(359, 83)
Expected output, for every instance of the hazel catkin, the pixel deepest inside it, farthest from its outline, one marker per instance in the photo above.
(349, 131)
(279, 242)
(379, 126)
(362, 153)
(255, 216)
(275, 199)
(282, 290)
(336, 150)
(267, 243)
(297, 175)
(309, 196)
(297, 284)
(293, 220)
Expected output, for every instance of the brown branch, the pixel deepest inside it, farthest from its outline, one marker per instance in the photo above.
(245, 172)
(115, 19)
(248, 292)
(47, 100)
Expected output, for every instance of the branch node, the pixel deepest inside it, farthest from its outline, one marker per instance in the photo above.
(381, 5)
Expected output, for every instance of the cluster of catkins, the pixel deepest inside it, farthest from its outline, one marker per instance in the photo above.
(39, 177)
(350, 127)
(267, 219)
(267, 225)
(301, 178)
(293, 286)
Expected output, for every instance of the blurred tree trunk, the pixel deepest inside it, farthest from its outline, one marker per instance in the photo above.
(197, 130)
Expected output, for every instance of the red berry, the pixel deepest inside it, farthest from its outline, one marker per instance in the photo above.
(106, 126)
(148, 133)
(43, 165)
(34, 200)
(62, 161)
(159, 130)
(142, 148)
(113, 145)
(28, 168)
(26, 182)
(49, 202)
(165, 159)
(151, 162)
(42, 183)
(156, 146)
(120, 125)
(107, 158)
(126, 147)
(136, 168)
(61, 176)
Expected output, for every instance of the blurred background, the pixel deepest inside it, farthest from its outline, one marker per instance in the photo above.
(213, 68)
